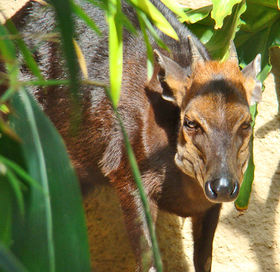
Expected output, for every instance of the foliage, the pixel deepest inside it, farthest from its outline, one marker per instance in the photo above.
(46, 229)
(254, 25)
(42, 224)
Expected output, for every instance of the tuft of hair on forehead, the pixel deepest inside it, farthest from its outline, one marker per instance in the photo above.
(205, 72)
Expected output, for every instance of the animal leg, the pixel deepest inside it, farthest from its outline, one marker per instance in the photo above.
(137, 228)
(204, 227)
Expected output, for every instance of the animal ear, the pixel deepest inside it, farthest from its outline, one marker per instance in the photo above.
(172, 78)
(232, 52)
(196, 55)
(252, 85)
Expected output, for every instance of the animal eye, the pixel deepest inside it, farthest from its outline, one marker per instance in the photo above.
(190, 124)
(246, 125)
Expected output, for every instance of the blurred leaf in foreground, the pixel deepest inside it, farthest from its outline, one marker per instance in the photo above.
(52, 235)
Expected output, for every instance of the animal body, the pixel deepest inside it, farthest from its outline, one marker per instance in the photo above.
(189, 125)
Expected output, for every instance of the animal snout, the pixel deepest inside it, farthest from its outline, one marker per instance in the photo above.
(221, 189)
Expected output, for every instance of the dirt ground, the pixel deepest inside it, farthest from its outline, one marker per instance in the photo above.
(248, 242)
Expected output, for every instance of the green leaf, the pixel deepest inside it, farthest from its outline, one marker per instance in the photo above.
(217, 41)
(195, 15)
(220, 41)
(146, 259)
(8, 51)
(52, 236)
(15, 185)
(255, 30)
(221, 9)
(260, 32)
(254, 38)
(19, 171)
(156, 17)
(242, 202)
(145, 25)
(115, 49)
(150, 58)
(174, 6)
(27, 55)
(66, 25)
(82, 14)
(6, 204)
(8, 262)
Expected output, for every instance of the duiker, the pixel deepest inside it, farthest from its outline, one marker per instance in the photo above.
(189, 125)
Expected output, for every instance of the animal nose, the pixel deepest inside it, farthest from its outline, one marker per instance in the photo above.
(221, 190)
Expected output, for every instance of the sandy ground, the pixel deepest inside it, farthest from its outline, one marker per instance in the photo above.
(248, 242)
(9, 7)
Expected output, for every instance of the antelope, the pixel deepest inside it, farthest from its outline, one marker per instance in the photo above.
(189, 125)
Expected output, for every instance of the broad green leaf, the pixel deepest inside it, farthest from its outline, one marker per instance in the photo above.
(258, 17)
(52, 236)
(175, 7)
(115, 49)
(265, 3)
(217, 41)
(254, 38)
(8, 262)
(195, 15)
(221, 9)
(156, 17)
(258, 35)
(16, 190)
(220, 41)
(6, 206)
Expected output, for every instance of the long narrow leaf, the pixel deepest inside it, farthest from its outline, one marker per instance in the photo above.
(156, 17)
(150, 58)
(82, 14)
(81, 59)
(115, 49)
(242, 201)
(8, 262)
(6, 204)
(15, 185)
(8, 52)
(27, 55)
(19, 171)
(143, 197)
(66, 24)
(52, 236)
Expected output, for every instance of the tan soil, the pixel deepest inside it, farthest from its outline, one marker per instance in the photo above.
(249, 242)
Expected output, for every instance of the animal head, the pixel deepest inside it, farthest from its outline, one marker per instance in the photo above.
(215, 120)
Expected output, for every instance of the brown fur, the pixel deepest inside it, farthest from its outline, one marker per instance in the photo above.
(176, 161)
